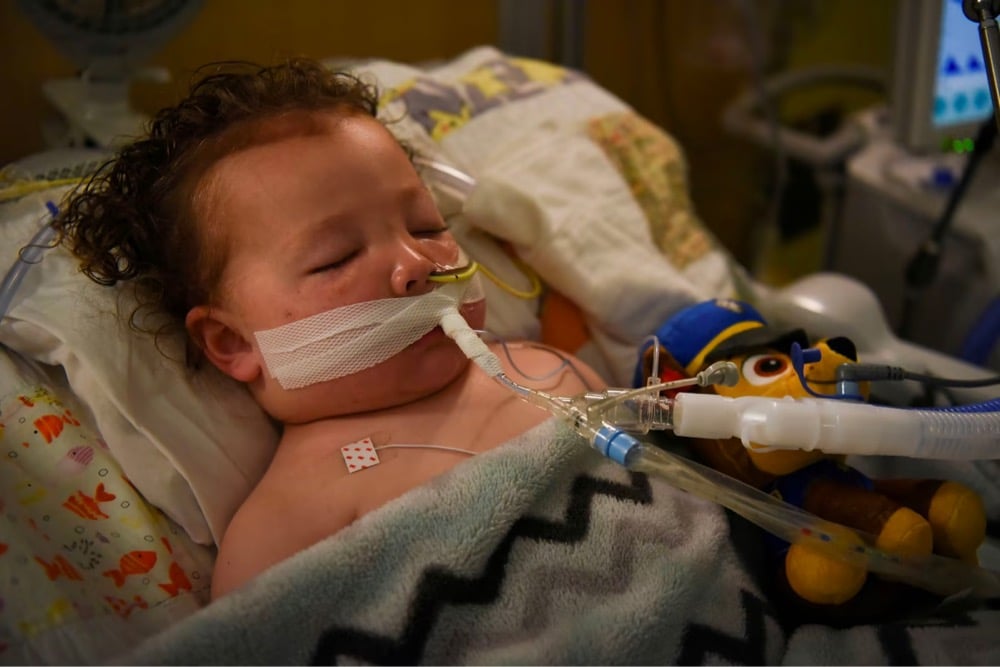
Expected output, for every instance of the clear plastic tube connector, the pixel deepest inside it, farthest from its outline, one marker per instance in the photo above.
(638, 414)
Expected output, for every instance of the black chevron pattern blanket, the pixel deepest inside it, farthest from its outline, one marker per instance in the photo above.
(541, 552)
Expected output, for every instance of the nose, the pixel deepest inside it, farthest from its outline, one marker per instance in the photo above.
(410, 272)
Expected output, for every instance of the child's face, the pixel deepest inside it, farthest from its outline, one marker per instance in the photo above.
(311, 222)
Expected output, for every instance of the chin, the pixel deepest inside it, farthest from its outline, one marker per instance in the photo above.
(426, 367)
(432, 363)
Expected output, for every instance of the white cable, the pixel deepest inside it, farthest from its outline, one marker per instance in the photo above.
(440, 447)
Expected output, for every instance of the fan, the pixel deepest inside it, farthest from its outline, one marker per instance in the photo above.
(109, 41)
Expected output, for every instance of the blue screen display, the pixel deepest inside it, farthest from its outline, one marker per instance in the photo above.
(961, 90)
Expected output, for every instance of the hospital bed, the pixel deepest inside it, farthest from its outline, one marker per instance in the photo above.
(120, 469)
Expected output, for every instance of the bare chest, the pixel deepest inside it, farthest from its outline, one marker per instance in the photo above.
(415, 442)
(411, 443)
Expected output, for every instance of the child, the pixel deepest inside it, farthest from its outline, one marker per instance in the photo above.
(271, 195)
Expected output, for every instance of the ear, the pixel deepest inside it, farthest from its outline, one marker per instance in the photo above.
(223, 344)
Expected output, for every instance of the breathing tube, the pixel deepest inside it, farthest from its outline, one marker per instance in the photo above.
(602, 417)
(645, 408)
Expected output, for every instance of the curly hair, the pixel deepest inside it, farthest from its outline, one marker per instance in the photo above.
(134, 220)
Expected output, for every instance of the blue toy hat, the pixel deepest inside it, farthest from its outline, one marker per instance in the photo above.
(712, 329)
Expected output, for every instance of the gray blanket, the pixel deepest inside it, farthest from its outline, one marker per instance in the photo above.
(542, 552)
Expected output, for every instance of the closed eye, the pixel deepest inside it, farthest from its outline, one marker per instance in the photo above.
(332, 266)
(430, 233)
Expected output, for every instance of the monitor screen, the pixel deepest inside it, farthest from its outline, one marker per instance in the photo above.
(941, 94)
(961, 91)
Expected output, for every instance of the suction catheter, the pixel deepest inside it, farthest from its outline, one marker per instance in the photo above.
(606, 420)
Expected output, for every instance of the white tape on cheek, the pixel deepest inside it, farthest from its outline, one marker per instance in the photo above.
(352, 338)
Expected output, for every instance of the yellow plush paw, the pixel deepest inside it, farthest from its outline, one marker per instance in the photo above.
(958, 519)
(906, 533)
(821, 578)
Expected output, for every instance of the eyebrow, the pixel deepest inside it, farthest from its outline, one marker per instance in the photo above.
(306, 240)
(409, 196)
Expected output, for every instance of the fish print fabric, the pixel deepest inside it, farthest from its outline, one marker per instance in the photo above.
(77, 541)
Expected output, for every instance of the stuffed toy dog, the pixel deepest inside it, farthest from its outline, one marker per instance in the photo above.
(906, 516)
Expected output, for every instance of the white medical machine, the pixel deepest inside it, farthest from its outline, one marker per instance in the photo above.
(915, 217)
(905, 194)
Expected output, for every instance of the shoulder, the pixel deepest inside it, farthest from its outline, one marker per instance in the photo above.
(283, 515)
(544, 367)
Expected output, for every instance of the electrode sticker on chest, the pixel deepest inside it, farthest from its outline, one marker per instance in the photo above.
(359, 455)
(364, 453)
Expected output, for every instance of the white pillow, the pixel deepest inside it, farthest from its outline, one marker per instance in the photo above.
(194, 444)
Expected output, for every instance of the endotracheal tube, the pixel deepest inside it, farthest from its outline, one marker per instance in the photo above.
(602, 418)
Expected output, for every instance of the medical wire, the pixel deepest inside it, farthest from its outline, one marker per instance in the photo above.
(875, 372)
(536, 283)
(455, 275)
(19, 189)
(923, 267)
(472, 267)
(26, 257)
(565, 361)
(654, 345)
(438, 447)
(848, 375)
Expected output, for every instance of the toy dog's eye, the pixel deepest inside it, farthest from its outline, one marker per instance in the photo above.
(761, 369)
